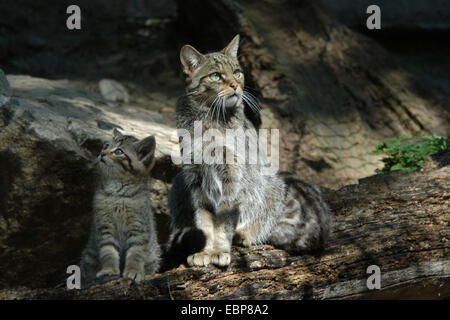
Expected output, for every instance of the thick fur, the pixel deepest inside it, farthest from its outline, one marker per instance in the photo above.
(212, 204)
(123, 234)
(306, 222)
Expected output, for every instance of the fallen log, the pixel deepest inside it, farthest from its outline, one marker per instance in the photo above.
(398, 222)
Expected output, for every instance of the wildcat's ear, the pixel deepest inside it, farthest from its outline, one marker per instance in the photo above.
(190, 59)
(117, 133)
(232, 48)
(146, 151)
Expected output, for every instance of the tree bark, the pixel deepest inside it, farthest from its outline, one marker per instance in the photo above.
(398, 222)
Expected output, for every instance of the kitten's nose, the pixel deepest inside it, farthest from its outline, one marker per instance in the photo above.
(102, 154)
(234, 85)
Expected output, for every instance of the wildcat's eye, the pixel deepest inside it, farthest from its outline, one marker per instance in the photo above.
(237, 74)
(106, 146)
(215, 76)
(118, 152)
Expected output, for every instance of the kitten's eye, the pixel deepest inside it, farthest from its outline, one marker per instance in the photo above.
(215, 76)
(106, 146)
(118, 152)
(237, 74)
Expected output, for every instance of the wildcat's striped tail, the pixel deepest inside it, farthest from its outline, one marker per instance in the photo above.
(306, 223)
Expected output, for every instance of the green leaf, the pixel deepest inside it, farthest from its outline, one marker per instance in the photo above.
(397, 166)
(408, 154)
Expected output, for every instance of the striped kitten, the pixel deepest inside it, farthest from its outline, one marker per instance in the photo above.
(123, 234)
(212, 205)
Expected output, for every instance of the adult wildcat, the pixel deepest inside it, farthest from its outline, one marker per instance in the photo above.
(213, 203)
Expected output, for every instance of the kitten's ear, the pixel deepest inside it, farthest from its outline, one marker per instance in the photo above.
(190, 59)
(117, 133)
(146, 151)
(232, 48)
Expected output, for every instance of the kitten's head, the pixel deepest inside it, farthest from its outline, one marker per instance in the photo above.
(125, 156)
(214, 79)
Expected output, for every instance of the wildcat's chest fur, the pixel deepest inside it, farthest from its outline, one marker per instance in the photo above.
(238, 185)
(219, 185)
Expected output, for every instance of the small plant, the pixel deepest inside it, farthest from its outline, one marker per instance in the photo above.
(408, 154)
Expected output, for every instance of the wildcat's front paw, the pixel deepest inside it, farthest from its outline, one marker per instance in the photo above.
(108, 272)
(200, 259)
(204, 258)
(133, 274)
(221, 259)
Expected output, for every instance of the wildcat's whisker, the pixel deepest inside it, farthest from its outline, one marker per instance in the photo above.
(218, 110)
(214, 107)
(253, 101)
(223, 113)
(223, 108)
(251, 95)
(209, 108)
(250, 104)
(205, 103)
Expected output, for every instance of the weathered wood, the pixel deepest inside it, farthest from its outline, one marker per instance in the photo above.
(399, 222)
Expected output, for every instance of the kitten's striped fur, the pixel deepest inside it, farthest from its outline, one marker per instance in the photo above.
(123, 234)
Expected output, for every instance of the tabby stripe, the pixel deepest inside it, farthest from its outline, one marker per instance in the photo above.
(129, 163)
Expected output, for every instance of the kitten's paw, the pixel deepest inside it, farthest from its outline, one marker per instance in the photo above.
(108, 272)
(221, 259)
(201, 259)
(135, 275)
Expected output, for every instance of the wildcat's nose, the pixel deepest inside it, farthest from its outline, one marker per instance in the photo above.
(234, 85)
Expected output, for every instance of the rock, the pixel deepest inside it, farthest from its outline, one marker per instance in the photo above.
(5, 90)
(113, 91)
(50, 131)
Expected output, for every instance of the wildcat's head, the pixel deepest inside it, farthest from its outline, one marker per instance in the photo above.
(125, 156)
(214, 79)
